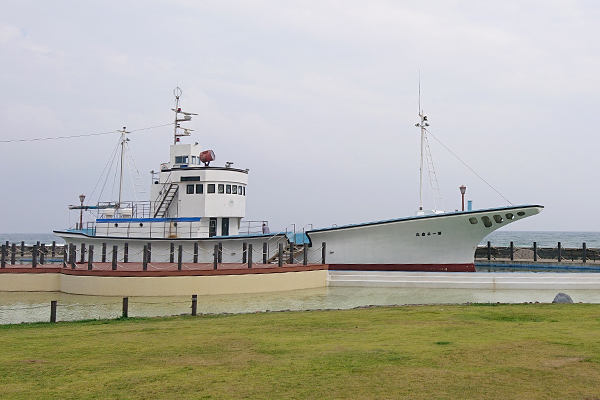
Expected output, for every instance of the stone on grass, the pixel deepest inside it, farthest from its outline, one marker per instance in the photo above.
(563, 298)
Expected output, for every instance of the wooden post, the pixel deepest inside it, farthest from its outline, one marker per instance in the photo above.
(65, 255)
(149, 252)
(13, 254)
(82, 253)
(126, 253)
(114, 257)
(220, 252)
(125, 304)
(179, 257)
(3, 258)
(172, 253)
(265, 252)
(72, 255)
(244, 252)
(216, 256)
(534, 251)
(280, 258)
(559, 253)
(53, 311)
(34, 252)
(195, 252)
(22, 248)
(489, 250)
(145, 258)
(42, 253)
(512, 251)
(103, 252)
(291, 252)
(323, 253)
(194, 305)
(305, 253)
(53, 248)
(250, 255)
(583, 257)
(91, 257)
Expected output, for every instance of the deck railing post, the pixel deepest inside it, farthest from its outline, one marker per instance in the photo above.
(13, 253)
(145, 258)
(103, 252)
(53, 311)
(216, 256)
(323, 252)
(512, 251)
(305, 253)
(172, 253)
(583, 257)
(265, 252)
(149, 252)
(195, 252)
(489, 250)
(53, 248)
(220, 252)
(125, 305)
(82, 253)
(250, 255)
(244, 252)
(42, 253)
(91, 257)
(179, 257)
(534, 251)
(114, 257)
(3, 258)
(194, 305)
(126, 252)
(559, 252)
(34, 252)
(280, 255)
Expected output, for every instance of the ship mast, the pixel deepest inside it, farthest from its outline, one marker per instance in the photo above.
(187, 116)
(423, 125)
(123, 140)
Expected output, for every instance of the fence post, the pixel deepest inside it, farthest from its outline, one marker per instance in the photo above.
(244, 252)
(103, 252)
(53, 311)
(13, 253)
(512, 251)
(72, 255)
(172, 253)
(34, 252)
(305, 253)
(91, 257)
(265, 252)
(291, 252)
(280, 255)
(53, 249)
(126, 252)
(22, 248)
(323, 252)
(216, 256)
(559, 253)
(125, 304)
(114, 258)
(220, 252)
(145, 258)
(42, 252)
(489, 250)
(82, 253)
(3, 258)
(194, 305)
(250, 255)
(584, 252)
(195, 252)
(179, 257)
(149, 252)
(534, 251)
(65, 255)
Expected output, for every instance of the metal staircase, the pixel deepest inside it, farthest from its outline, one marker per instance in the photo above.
(166, 200)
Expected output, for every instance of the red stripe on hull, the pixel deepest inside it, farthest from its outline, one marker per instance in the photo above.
(404, 267)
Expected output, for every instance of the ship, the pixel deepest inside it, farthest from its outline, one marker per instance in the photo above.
(199, 207)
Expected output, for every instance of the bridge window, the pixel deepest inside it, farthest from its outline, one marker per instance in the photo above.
(189, 189)
(199, 188)
(190, 179)
(210, 188)
(221, 188)
(228, 189)
(486, 221)
(234, 189)
(239, 190)
(244, 190)
(181, 160)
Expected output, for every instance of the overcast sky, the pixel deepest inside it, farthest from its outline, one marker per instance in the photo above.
(317, 98)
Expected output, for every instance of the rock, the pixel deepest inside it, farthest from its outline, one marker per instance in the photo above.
(563, 298)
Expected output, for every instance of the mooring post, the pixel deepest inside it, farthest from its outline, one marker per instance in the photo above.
(53, 311)
(72, 255)
(34, 254)
(291, 252)
(3, 258)
(114, 258)
(125, 306)
(126, 252)
(172, 253)
(221, 252)
(149, 252)
(145, 258)
(305, 253)
(583, 257)
(179, 257)
(559, 253)
(250, 255)
(489, 250)
(13, 254)
(195, 252)
(512, 251)
(244, 252)
(534, 251)
(103, 252)
(22, 248)
(91, 257)
(42, 253)
(323, 252)
(265, 252)
(82, 253)
(280, 255)
(194, 305)
(53, 248)
(216, 256)
(65, 255)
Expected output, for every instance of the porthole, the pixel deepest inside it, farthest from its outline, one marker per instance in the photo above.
(510, 216)
(423, 234)
(521, 213)
(439, 233)
(418, 234)
(498, 219)
(473, 220)
(486, 221)
(116, 225)
(141, 224)
(175, 224)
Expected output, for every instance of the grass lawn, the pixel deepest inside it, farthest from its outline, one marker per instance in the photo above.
(524, 351)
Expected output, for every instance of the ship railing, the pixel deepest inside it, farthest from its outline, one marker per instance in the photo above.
(249, 227)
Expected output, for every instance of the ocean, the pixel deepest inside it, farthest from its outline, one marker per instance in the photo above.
(498, 238)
